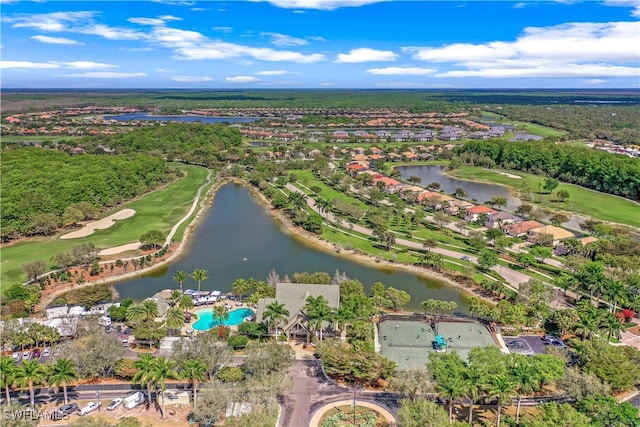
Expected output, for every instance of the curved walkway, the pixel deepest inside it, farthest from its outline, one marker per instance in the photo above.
(315, 420)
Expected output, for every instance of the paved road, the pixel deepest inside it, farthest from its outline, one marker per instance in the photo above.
(511, 276)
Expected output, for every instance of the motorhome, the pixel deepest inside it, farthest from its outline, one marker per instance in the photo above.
(134, 399)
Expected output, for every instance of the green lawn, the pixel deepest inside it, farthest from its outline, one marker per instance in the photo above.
(592, 203)
(526, 126)
(308, 179)
(158, 210)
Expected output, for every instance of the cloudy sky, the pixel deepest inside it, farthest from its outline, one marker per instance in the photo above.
(320, 44)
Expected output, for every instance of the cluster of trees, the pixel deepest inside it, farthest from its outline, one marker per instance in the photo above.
(491, 376)
(64, 189)
(191, 142)
(599, 170)
(616, 124)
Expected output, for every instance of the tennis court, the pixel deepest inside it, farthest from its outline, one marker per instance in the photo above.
(409, 342)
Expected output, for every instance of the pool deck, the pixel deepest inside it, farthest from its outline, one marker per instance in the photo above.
(189, 326)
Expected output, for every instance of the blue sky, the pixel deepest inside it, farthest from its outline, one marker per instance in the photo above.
(320, 44)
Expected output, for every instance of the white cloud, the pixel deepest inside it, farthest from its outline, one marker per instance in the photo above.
(104, 75)
(87, 65)
(242, 79)
(160, 20)
(223, 29)
(577, 49)
(54, 40)
(320, 4)
(279, 39)
(27, 65)
(595, 81)
(271, 73)
(51, 22)
(576, 41)
(519, 5)
(175, 2)
(548, 71)
(112, 33)
(625, 3)
(399, 71)
(190, 79)
(364, 54)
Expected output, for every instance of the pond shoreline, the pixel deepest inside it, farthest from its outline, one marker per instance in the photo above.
(290, 229)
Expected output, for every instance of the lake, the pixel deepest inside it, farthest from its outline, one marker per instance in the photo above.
(238, 238)
(189, 119)
(477, 190)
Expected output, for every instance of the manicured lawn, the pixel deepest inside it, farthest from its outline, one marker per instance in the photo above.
(308, 179)
(159, 210)
(528, 127)
(592, 203)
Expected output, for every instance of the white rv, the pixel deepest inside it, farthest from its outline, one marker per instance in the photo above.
(134, 399)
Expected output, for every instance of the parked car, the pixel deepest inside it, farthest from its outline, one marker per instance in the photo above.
(125, 343)
(90, 407)
(465, 258)
(36, 353)
(115, 403)
(16, 356)
(238, 303)
(65, 411)
(26, 355)
(46, 352)
(515, 344)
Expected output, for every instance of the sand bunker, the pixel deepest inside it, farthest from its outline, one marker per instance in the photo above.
(101, 224)
(119, 249)
(510, 175)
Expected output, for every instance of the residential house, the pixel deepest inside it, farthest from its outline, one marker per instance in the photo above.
(294, 297)
(479, 135)
(557, 233)
(473, 213)
(456, 206)
(518, 229)
(500, 219)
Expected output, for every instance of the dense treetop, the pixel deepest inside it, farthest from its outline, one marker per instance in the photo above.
(601, 171)
(192, 142)
(39, 186)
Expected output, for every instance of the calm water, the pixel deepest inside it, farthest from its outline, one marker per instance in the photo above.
(477, 190)
(237, 238)
(143, 116)
(206, 321)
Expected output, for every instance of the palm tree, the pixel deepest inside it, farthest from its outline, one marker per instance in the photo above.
(500, 387)
(185, 303)
(587, 324)
(474, 305)
(136, 312)
(429, 304)
(7, 368)
(318, 315)
(199, 275)
(474, 380)
(617, 293)
(343, 316)
(240, 287)
(150, 308)
(174, 318)
(612, 325)
(323, 205)
(163, 370)
(174, 297)
(452, 389)
(297, 201)
(180, 277)
(62, 373)
(194, 370)
(451, 305)
(527, 381)
(145, 375)
(275, 313)
(29, 373)
(220, 314)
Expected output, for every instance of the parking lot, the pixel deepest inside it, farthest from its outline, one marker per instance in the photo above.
(525, 344)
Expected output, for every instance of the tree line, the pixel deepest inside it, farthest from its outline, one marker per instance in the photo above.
(598, 170)
(191, 142)
(43, 190)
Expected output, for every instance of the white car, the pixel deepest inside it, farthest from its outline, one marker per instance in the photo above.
(90, 407)
(46, 352)
(115, 403)
(26, 355)
(16, 356)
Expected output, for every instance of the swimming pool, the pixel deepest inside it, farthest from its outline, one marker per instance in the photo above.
(206, 321)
